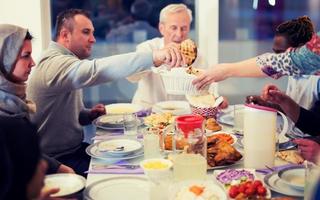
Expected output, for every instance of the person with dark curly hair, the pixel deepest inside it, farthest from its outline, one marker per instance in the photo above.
(304, 90)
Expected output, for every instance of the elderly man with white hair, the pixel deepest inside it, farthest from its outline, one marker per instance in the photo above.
(174, 26)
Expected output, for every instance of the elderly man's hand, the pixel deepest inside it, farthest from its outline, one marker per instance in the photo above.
(97, 111)
(169, 55)
(309, 149)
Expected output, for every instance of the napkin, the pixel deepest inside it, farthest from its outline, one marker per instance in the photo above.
(144, 113)
(138, 170)
(276, 168)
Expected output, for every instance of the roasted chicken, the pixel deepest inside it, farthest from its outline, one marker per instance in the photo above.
(221, 153)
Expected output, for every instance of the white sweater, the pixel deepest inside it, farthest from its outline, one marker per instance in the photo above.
(150, 86)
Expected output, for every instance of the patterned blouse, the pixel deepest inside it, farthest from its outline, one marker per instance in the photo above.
(295, 61)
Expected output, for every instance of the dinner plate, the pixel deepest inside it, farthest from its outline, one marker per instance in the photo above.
(174, 107)
(274, 183)
(123, 108)
(181, 188)
(235, 139)
(112, 122)
(120, 188)
(111, 147)
(226, 118)
(293, 176)
(67, 183)
(92, 150)
(225, 166)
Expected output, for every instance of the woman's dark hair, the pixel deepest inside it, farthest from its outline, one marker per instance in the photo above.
(297, 31)
(28, 36)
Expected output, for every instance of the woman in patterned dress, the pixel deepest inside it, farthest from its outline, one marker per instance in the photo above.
(295, 61)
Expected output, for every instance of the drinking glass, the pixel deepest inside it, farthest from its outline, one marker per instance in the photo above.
(311, 179)
(238, 113)
(130, 124)
(151, 144)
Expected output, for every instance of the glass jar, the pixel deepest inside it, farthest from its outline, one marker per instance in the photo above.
(187, 134)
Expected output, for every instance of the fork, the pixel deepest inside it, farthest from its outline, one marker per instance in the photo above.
(105, 166)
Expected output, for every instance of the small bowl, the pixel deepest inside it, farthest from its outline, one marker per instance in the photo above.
(157, 168)
(293, 176)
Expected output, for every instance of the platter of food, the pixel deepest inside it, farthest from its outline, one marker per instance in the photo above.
(196, 189)
(242, 184)
(221, 154)
(223, 135)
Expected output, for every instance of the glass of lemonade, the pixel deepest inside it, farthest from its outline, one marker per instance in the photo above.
(130, 124)
(189, 167)
(151, 145)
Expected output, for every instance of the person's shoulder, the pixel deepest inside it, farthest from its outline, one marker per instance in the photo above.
(154, 43)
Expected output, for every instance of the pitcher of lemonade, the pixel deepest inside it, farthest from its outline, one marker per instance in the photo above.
(260, 137)
(192, 163)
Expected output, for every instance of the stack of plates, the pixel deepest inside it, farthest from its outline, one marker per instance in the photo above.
(111, 122)
(122, 149)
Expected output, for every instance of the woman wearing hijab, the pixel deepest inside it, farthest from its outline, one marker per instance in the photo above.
(17, 132)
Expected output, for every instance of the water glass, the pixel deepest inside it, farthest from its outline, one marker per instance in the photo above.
(238, 113)
(151, 145)
(311, 180)
(130, 124)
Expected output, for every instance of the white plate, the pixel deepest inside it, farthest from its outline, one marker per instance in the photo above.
(129, 146)
(122, 108)
(174, 107)
(226, 119)
(293, 176)
(274, 183)
(224, 132)
(68, 183)
(209, 185)
(93, 151)
(111, 122)
(119, 188)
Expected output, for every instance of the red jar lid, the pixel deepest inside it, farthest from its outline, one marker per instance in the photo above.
(188, 123)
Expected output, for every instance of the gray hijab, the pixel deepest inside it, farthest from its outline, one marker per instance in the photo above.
(12, 95)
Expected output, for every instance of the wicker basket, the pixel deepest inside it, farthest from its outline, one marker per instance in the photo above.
(180, 83)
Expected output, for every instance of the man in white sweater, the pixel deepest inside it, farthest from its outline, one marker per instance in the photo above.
(63, 70)
(174, 26)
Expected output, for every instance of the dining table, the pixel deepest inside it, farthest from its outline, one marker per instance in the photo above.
(94, 176)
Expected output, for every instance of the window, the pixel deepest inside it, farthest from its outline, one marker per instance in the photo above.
(119, 26)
